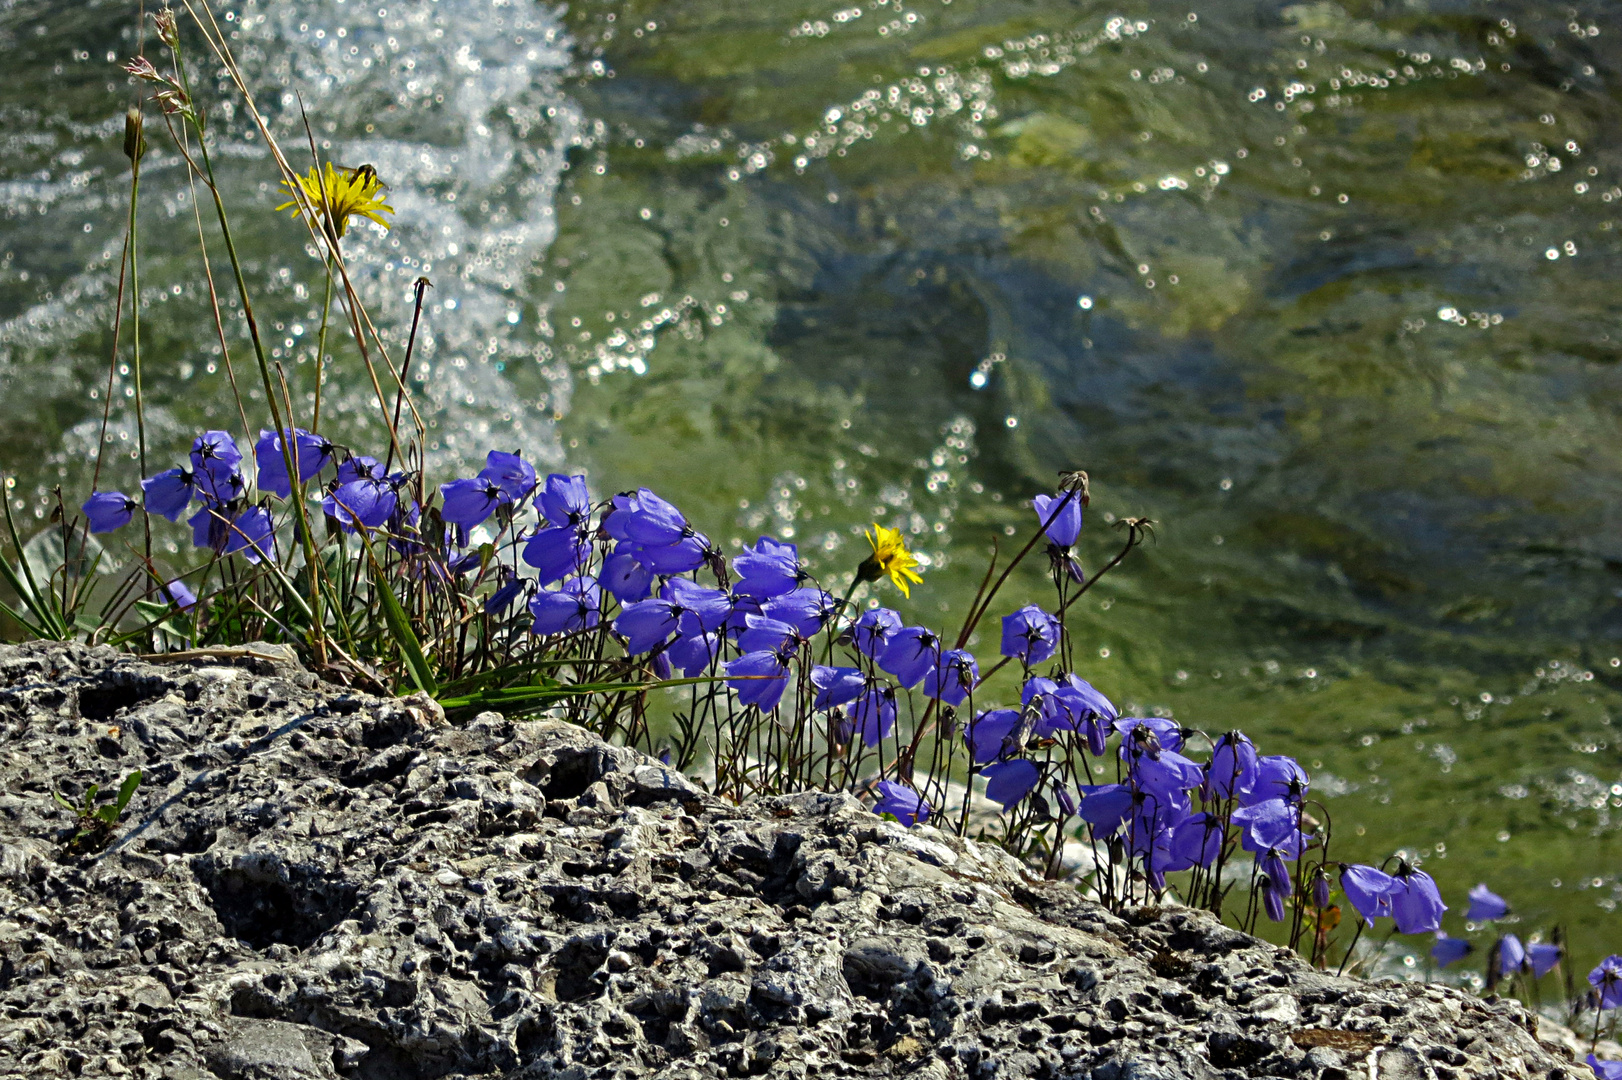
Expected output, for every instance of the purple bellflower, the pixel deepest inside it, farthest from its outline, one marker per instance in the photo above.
(310, 452)
(836, 686)
(1449, 950)
(1277, 777)
(217, 464)
(1167, 735)
(1030, 635)
(1272, 900)
(987, 732)
(168, 493)
(1607, 981)
(1510, 956)
(901, 802)
(1008, 782)
(807, 610)
(503, 597)
(874, 630)
(647, 623)
(770, 569)
(953, 678)
(510, 472)
(1105, 806)
(178, 594)
(471, 502)
(1541, 957)
(768, 634)
(872, 715)
(1417, 903)
(1486, 905)
(1061, 514)
(577, 605)
(558, 552)
(253, 533)
(626, 578)
(1605, 1070)
(1232, 768)
(759, 678)
(694, 652)
(646, 519)
(913, 652)
(109, 510)
(564, 501)
(366, 501)
(1368, 890)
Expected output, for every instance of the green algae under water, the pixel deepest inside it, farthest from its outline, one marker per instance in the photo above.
(1328, 291)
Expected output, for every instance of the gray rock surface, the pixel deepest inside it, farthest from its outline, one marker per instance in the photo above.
(314, 884)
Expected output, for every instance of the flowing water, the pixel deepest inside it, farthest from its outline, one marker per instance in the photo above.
(1321, 288)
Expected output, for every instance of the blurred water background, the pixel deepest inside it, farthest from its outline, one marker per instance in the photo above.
(1327, 290)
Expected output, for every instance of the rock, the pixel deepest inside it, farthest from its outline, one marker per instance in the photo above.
(312, 884)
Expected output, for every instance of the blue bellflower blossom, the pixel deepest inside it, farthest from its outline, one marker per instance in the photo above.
(626, 578)
(1486, 905)
(368, 502)
(685, 555)
(1008, 782)
(577, 605)
(769, 634)
(807, 610)
(1272, 900)
(1168, 775)
(1197, 841)
(953, 678)
(694, 652)
(1030, 635)
(913, 652)
(770, 569)
(836, 686)
(986, 733)
(1449, 950)
(1542, 957)
(1368, 890)
(1105, 806)
(1148, 733)
(310, 452)
(901, 802)
(1277, 777)
(1232, 768)
(1417, 903)
(503, 597)
(180, 595)
(708, 607)
(471, 502)
(645, 519)
(1065, 511)
(872, 715)
(1509, 956)
(873, 631)
(253, 533)
(217, 464)
(510, 472)
(208, 528)
(168, 493)
(108, 511)
(564, 501)
(558, 552)
(1605, 1070)
(759, 678)
(647, 623)
(1272, 825)
(1606, 979)
(359, 467)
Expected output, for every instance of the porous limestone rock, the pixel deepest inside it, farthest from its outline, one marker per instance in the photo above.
(318, 884)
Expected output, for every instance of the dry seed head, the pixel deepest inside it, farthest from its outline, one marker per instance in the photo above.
(134, 138)
(168, 32)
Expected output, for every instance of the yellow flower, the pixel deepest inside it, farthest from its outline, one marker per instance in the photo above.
(351, 193)
(890, 556)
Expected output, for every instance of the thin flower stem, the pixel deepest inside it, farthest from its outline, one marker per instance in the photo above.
(321, 348)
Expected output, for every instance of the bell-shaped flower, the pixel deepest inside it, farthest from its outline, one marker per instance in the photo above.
(576, 605)
(1449, 950)
(759, 678)
(872, 715)
(901, 802)
(807, 610)
(987, 733)
(359, 467)
(710, 607)
(1272, 900)
(873, 631)
(1271, 825)
(210, 528)
(954, 677)
(1105, 806)
(471, 502)
(253, 533)
(684, 556)
(694, 653)
(1604, 1070)
(1417, 903)
(168, 493)
(1272, 865)
(310, 453)
(1368, 890)
(647, 623)
(1509, 955)
(367, 501)
(1486, 905)
(836, 686)
(1170, 775)
(1138, 731)
(1232, 768)
(770, 569)
(626, 578)
(912, 653)
(1061, 514)
(1606, 979)
(1030, 635)
(1277, 777)
(564, 500)
(645, 519)
(502, 599)
(1197, 841)
(768, 634)
(217, 464)
(1541, 957)
(510, 472)
(1008, 782)
(107, 511)
(558, 552)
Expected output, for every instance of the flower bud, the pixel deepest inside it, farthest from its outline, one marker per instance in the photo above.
(134, 138)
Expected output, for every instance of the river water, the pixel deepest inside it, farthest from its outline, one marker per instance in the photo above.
(1327, 291)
